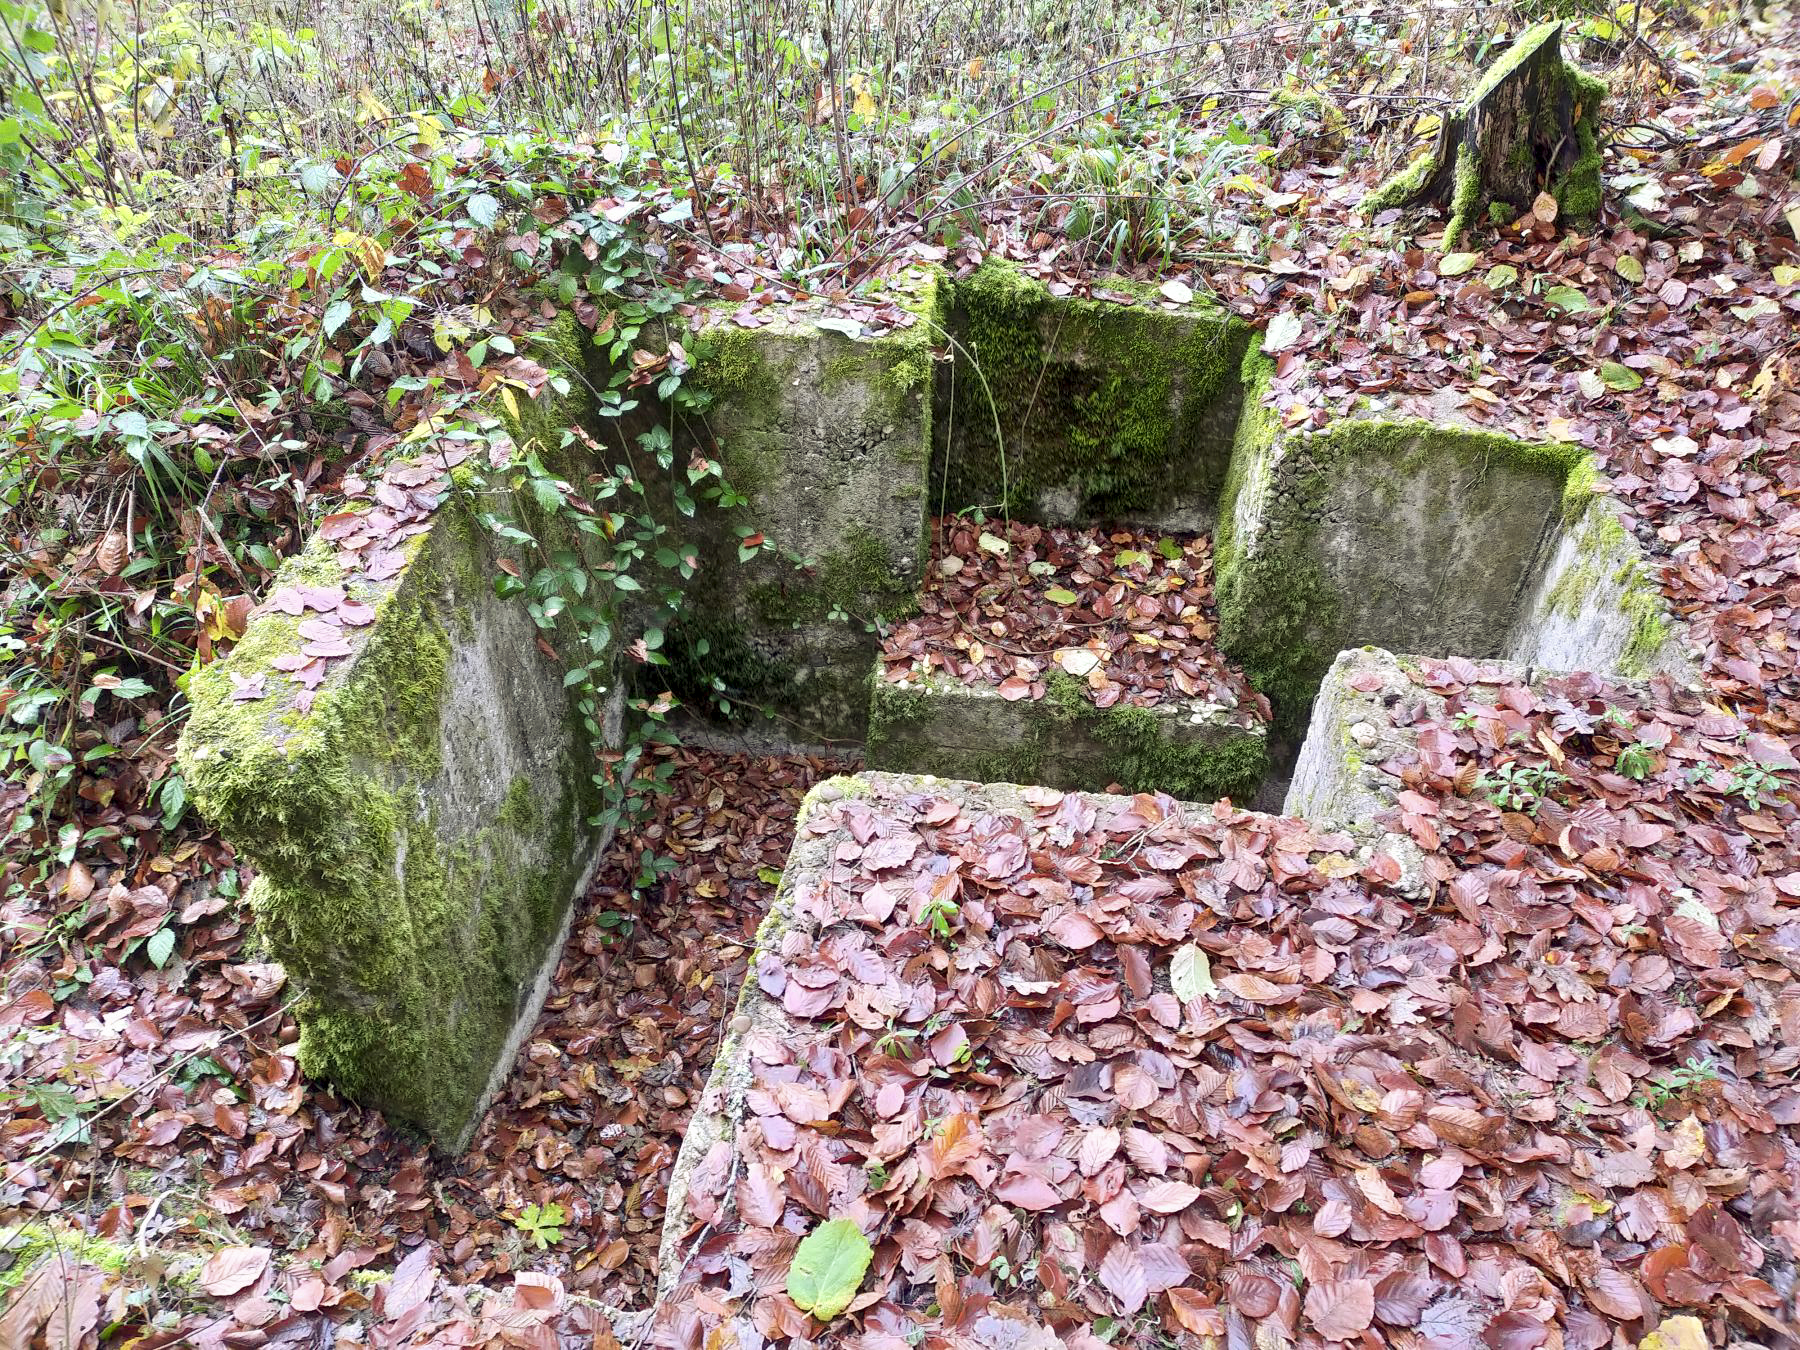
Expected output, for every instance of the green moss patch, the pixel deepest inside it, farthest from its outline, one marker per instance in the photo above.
(1081, 409)
(1531, 124)
(412, 901)
(1062, 741)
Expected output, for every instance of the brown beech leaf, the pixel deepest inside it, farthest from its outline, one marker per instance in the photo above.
(1616, 1294)
(760, 1197)
(1196, 1312)
(1340, 1309)
(231, 1270)
(1123, 1276)
(1252, 1293)
(1168, 1197)
(1028, 1192)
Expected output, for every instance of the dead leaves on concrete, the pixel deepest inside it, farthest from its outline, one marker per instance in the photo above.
(1130, 615)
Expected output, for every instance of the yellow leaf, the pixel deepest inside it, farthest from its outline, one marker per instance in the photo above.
(511, 401)
(429, 425)
(369, 108)
(975, 68)
(1685, 1332)
(1427, 125)
(427, 131)
(367, 253)
(864, 105)
(1689, 1146)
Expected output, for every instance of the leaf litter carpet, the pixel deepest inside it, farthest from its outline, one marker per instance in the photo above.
(1128, 614)
(1166, 1074)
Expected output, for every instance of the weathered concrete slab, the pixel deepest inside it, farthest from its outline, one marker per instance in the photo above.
(1364, 737)
(1186, 748)
(1420, 537)
(1344, 776)
(1596, 604)
(419, 820)
(1076, 410)
(764, 1042)
(828, 437)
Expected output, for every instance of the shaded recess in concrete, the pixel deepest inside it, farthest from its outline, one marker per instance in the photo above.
(1071, 410)
(1429, 538)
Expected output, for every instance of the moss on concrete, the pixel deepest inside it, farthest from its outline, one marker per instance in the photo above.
(1605, 552)
(1065, 741)
(732, 364)
(541, 425)
(411, 939)
(1099, 405)
(1278, 614)
(857, 580)
(828, 438)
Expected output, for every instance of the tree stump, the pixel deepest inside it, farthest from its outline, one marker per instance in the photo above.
(1529, 127)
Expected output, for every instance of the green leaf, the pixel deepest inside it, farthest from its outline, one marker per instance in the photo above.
(335, 315)
(1622, 378)
(1169, 548)
(1501, 276)
(1455, 264)
(1567, 299)
(1061, 596)
(1630, 268)
(160, 947)
(484, 208)
(1190, 973)
(828, 1268)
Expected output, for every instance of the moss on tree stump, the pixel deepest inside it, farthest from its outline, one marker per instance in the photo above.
(1530, 126)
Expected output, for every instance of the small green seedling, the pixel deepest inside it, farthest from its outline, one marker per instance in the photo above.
(1636, 761)
(937, 912)
(1520, 787)
(1671, 1083)
(541, 1223)
(1755, 784)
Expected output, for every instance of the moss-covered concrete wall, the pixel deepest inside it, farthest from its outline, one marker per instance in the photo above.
(420, 829)
(828, 438)
(1080, 410)
(1418, 537)
(953, 730)
(1596, 604)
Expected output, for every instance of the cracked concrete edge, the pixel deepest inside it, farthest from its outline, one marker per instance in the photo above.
(1338, 780)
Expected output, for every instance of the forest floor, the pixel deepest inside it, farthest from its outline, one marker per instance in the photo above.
(1636, 961)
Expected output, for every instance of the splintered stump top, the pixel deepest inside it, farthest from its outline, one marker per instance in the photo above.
(1528, 127)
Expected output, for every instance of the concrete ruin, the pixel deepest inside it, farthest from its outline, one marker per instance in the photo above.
(421, 825)
(420, 820)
